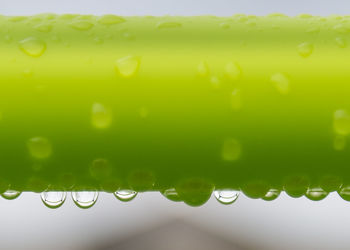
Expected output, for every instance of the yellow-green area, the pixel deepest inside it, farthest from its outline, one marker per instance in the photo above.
(183, 105)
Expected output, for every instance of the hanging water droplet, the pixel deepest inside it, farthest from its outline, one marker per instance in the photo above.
(231, 150)
(296, 186)
(255, 189)
(85, 199)
(11, 194)
(341, 122)
(81, 25)
(233, 71)
(32, 46)
(341, 42)
(125, 195)
(271, 194)
(171, 194)
(203, 69)
(101, 116)
(43, 27)
(316, 194)
(53, 199)
(339, 142)
(226, 197)
(281, 83)
(39, 147)
(236, 102)
(330, 183)
(165, 24)
(110, 19)
(127, 66)
(305, 49)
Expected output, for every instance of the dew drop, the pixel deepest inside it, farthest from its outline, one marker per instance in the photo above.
(125, 195)
(85, 199)
(11, 194)
(236, 102)
(339, 142)
(341, 42)
(344, 192)
(341, 122)
(53, 199)
(281, 82)
(316, 194)
(165, 24)
(39, 147)
(305, 49)
(231, 150)
(296, 186)
(171, 194)
(203, 69)
(226, 197)
(81, 25)
(233, 71)
(43, 27)
(127, 66)
(32, 46)
(272, 194)
(101, 116)
(110, 19)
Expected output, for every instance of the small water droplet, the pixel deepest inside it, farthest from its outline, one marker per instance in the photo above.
(53, 199)
(341, 122)
(85, 199)
(166, 24)
(281, 82)
(125, 195)
(81, 25)
(39, 147)
(203, 69)
(341, 42)
(32, 46)
(11, 194)
(339, 142)
(236, 102)
(316, 194)
(43, 27)
(305, 49)
(271, 194)
(226, 197)
(171, 194)
(233, 71)
(101, 116)
(110, 19)
(100, 169)
(127, 66)
(344, 192)
(231, 150)
(143, 112)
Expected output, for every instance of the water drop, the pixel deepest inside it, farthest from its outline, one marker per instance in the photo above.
(305, 49)
(296, 186)
(281, 82)
(125, 195)
(255, 189)
(39, 147)
(101, 116)
(81, 25)
(32, 46)
(127, 66)
(231, 150)
(236, 102)
(165, 24)
(203, 69)
(330, 183)
(43, 27)
(171, 194)
(339, 142)
(271, 194)
(341, 122)
(85, 199)
(100, 169)
(11, 194)
(233, 71)
(344, 192)
(110, 19)
(316, 194)
(53, 199)
(341, 42)
(226, 197)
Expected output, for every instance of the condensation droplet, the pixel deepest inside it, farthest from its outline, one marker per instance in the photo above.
(85, 199)
(203, 69)
(110, 19)
(316, 194)
(53, 199)
(171, 194)
(81, 25)
(11, 194)
(32, 46)
(236, 100)
(233, 71)
(101, 116)
(226, 197)
(125, 195)
(305, 49)
(339, 142)
(341, 122)
(231, 150)
(341, 42)
(127, 66)
(281, 82)
(272, 194)
(39, 147)
(166, 24)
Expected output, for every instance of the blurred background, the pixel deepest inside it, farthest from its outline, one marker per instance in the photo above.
(151, 221)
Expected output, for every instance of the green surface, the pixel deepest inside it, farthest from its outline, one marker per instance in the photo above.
(191, 103)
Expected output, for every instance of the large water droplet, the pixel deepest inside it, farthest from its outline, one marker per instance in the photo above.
(236, 102)
(171, 194)
(81, 25)
(32, 46)
(305, 49)
(167, 24)
(271, 194)
(11, 194)
(341, 42)
(39, 147)
(125, 195)
(316, 194)
(110, 19)
(101, 116)
(341, 122)
(127, 66)
(53, 199)
(233, 71)
(281, 82)
(226, 197)
(85, 199)
(203, 69)
(231, 150)
(296, 186)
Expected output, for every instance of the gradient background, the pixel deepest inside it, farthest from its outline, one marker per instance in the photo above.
(152, 222)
